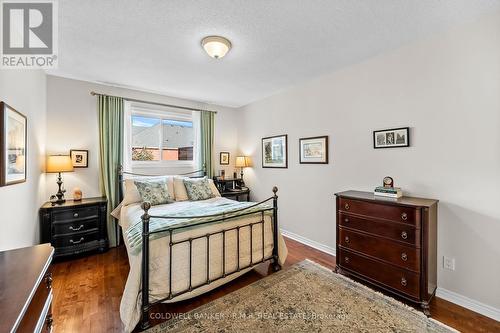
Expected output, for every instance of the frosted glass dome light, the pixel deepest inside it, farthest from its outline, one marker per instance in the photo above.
(216, 46)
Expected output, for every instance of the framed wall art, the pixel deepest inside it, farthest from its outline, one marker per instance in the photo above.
(313, 150)
(79, 158)
(224, 158)
(13, 144)
(275, 151)
(391, 138)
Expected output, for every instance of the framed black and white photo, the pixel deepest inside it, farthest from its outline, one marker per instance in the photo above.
(80, 158)
(224, 158)
(313, 150)
(13, 142)
(275, 151)
(391, 138)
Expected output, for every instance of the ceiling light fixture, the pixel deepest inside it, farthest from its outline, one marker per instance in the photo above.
(216, 46)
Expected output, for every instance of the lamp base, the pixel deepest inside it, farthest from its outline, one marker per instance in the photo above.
(60, 193)
(59, 201)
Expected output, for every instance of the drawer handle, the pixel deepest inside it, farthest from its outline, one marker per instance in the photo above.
(346, 220)
(403, 282)
(404, 216)
(76, 242)
(48, 281)
(346, 260)
(404, 256)
(49, 321)
(347, 240)
(76, 229)
(75, 215)
(346, 206)
(404, 235)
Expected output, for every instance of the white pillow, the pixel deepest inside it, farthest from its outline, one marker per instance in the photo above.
(131, 194)
(214, 189)
(180, 188)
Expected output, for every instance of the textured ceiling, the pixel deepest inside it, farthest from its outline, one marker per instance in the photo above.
(155, 45)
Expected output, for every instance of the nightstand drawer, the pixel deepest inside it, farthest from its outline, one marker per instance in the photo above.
(77, 226)
(75, 239)
(76, 213)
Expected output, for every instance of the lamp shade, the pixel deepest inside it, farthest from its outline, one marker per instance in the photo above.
(242, 162)
(59, 163)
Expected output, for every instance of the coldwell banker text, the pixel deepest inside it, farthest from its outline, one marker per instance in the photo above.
(29, 34)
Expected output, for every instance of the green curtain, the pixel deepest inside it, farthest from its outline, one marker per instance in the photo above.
(111, 155)
(207, 124)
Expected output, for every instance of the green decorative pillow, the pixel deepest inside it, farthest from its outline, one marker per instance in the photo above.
(154, 191)
(198, 189)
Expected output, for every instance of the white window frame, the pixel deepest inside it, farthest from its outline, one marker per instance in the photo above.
(162, 113)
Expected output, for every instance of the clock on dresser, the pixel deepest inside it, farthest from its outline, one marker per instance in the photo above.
(75, 227)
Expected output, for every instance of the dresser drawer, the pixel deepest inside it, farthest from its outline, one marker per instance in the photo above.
(75, 239)
(35, 311)
(383, 249)
(397, 231)
(389, 212)
(77, 226)
(379, 273)
(75, 214)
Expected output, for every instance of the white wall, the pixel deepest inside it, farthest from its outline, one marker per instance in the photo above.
(447, 89)
(72, 123)
(25, 91)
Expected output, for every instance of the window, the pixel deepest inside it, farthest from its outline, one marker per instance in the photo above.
(161, 136)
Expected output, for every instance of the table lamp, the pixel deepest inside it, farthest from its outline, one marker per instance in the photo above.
(58, 164)
(242, 162)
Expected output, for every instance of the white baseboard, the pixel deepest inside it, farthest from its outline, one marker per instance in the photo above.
(309, 242)
(468, 303)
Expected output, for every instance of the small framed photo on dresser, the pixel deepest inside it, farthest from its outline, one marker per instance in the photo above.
(391, 138)
(313, 150)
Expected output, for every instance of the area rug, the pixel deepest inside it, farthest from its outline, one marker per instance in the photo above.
(305, 297)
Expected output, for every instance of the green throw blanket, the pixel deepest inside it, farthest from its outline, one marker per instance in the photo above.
(134, 232)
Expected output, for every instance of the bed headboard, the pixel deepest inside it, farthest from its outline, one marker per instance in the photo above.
(192, 174)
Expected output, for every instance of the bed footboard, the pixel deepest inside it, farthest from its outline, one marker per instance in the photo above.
(274, 258)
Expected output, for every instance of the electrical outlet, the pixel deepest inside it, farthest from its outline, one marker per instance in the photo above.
(449, 263)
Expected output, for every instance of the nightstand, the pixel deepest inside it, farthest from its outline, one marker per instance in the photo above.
(233, 188)
(75, 226)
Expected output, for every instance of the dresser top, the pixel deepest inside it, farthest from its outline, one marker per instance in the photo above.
(403, 201)
(72, 203)
(21, 270)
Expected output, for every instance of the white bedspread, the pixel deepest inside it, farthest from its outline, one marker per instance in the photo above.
(159, 256)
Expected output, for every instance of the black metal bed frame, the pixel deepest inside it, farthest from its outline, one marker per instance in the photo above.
(146, 304)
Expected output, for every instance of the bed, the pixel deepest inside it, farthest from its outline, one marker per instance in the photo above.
(183, 249)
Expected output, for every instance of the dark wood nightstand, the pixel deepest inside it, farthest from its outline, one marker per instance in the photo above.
(75, 226)
(233, 188)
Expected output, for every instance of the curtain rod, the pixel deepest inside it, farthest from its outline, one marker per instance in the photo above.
(93, 93)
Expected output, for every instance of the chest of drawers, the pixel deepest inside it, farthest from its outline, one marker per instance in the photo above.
(26, 289)
(389, 243)
(75, 226)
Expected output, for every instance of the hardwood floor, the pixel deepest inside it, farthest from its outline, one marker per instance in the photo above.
(87, 293)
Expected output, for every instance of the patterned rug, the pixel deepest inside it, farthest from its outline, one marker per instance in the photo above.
(306, 297)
